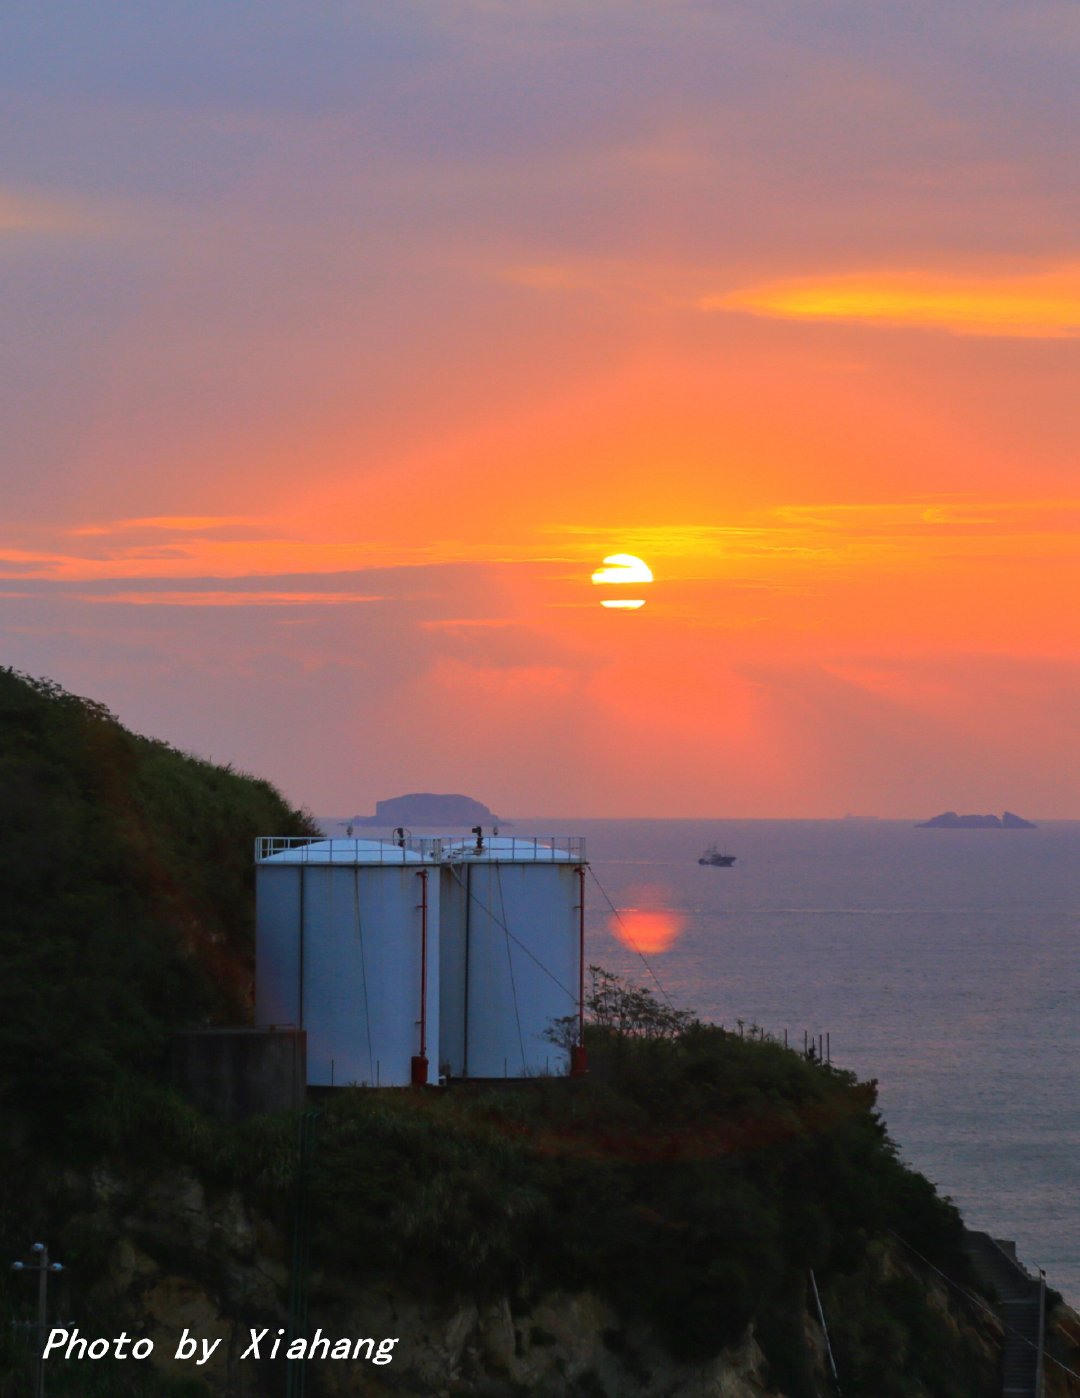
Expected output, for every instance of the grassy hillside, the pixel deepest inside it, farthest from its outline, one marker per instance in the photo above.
(126, 908)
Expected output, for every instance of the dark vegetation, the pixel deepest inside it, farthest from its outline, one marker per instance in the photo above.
(126, 871)
(693, 1180)
(126, 910)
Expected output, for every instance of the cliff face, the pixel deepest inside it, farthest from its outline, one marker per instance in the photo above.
(560, 1344)
(176, 1255)
(1063, 1350)
(172, 1255)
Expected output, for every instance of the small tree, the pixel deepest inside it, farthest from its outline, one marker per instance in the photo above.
(632, 1011)
(627, 1011)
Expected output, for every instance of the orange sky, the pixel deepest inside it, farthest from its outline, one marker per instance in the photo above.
(341, 352)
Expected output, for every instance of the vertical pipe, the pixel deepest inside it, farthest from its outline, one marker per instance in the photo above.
(419, 1074)
(300, 957)
(423, 962)
(824, 1330)
(43, 1283)
(468, 928)
(581, 956)
(579, 1064)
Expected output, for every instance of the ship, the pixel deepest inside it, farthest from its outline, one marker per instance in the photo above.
(713, 856)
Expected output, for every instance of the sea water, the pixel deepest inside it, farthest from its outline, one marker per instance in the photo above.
(943, 963)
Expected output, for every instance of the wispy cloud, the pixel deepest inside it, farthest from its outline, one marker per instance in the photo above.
(173, 524)
(927, 514)
(1041, 305)
(227, 599)
(935, 518)
(234, 547)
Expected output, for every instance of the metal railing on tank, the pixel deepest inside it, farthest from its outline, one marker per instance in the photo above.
(407, 849)
(319, 849)
(561, 849)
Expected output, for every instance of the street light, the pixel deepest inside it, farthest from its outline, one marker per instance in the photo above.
(43, 1267)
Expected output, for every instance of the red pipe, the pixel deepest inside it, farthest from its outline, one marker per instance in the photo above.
(419, 1074)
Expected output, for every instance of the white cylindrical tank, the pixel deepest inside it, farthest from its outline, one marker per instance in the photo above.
(347, 948)
(510, 954)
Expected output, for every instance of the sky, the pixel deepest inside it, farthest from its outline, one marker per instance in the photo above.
(343, 342)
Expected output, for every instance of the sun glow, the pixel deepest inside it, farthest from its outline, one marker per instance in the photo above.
(652, 926)
(619, 569)
(623, 568)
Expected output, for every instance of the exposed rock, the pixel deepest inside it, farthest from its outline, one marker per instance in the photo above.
(188, 1254)
(128, 1269)
(1063, 1353)
(562, 1344)
(175, 1304)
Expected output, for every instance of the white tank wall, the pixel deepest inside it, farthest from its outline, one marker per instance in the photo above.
(496, 1000)
(328, 932)
(278, 893)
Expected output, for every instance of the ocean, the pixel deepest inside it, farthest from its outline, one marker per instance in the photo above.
(942, 963)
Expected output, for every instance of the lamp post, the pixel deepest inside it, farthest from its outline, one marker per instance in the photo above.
(42, 1266)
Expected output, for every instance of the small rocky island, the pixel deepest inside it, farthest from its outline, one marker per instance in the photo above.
(429, 808)
(949, 820)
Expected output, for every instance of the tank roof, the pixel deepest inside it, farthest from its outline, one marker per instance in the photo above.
(272, 849)
(514, 849)
(490, 849)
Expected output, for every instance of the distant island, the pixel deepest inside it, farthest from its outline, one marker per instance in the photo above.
(949, 820)
(428, 808)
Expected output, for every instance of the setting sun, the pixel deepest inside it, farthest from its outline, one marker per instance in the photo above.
(621, 568)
